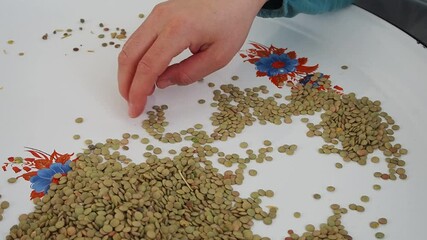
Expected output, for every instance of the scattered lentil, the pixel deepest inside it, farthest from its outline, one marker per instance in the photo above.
(364, 198)
(379, 235)
(382, 221)
(243, 144)
(374, 225)
(79, 120)
(12, 180)
(253, 172)
(4, 205)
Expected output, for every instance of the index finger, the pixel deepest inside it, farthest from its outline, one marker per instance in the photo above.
(150, 67)
(132, 52)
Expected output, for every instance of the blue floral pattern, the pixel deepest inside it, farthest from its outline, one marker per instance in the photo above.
(274, 64)
(44, 177)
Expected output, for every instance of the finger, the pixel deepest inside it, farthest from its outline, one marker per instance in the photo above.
(132, 52)
(150, 67)
(194, 68)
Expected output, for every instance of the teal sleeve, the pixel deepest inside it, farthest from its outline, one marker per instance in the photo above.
(290, 8)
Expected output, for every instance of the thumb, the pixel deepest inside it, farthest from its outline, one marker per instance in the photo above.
(194, 68)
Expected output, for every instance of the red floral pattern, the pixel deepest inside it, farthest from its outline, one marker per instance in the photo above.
(30, 166)
(259, 52)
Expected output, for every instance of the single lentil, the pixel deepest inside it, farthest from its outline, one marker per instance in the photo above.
(379, 235)
(79, 120)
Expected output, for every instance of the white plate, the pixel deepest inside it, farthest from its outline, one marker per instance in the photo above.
(43, 92)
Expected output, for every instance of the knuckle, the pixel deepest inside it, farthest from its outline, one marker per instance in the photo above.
(160, 9)
(145, 65)
(178, 26)
(123, 58)
(184, 79)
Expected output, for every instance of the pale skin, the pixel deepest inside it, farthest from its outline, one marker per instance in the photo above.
(213, 30)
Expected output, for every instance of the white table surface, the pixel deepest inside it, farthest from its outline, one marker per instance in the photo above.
(42, 92)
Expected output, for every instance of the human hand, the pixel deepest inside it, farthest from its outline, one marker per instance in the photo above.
(213, 30)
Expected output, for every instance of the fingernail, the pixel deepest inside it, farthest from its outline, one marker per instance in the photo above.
(131, 110)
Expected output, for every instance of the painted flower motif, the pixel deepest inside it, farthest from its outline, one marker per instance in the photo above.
(41, 182)
(278, 64)
(275, 64)
(39, 169)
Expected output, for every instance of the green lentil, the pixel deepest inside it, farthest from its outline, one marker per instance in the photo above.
(149, 147)
(364, 198)
(317, 196)
(4, 205)
(253, 172)
(309, 228)
(134, 136)
(12, 180)
(374, 225)
(379, 235)
(360, 208)
(243, 144)
(297, 214)
(269, 193)
(277, 95)
(382, 221)
(79, 120)
(375, 159)
(330, 188)
(76, 137)
(157, 150)
(395, 127)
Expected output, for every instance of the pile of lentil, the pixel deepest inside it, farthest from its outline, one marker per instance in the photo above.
(184, 196)
(351, 127)
(332, 229)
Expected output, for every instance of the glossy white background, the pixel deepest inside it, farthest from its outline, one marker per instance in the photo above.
(47, 88)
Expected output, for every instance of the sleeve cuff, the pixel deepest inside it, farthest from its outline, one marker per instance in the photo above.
(290, 8)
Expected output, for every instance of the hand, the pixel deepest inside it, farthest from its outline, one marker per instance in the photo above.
(213, 30)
